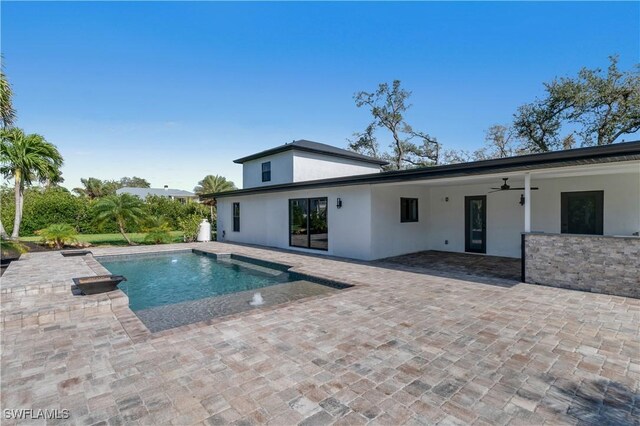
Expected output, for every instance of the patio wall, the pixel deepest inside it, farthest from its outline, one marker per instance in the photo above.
(595, 263)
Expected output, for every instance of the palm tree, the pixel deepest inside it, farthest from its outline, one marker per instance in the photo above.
(26, 158)
(157, 229)
(210, 185)
(7, 116)
(123, 209)
(93, 188)
(7, 113)
(58, 234)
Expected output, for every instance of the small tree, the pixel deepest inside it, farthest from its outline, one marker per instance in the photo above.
(157, 229)
(93, 188)
(189, 226)
(410, 148)
(210, 185)
(58, 234)
(124, 209)
(26, 158)
(134, 182)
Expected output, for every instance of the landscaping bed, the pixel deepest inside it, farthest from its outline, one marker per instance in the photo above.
(102, 239)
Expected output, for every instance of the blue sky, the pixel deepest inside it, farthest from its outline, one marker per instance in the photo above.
(174, 91)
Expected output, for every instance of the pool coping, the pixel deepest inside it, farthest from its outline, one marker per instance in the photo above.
(138, 331)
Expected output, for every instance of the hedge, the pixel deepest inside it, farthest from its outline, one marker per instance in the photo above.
(43, 207)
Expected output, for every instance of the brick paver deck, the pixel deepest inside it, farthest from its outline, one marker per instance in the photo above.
(400, 347)
(488, 269)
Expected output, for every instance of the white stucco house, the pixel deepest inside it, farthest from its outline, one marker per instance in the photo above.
(317, 198)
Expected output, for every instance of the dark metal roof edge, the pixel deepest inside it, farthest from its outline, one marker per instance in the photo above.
(455, 170)
(288, 147)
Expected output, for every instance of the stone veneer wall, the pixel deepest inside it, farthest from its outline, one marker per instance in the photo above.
(595, 263)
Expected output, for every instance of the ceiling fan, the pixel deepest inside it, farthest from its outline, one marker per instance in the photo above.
(506, 187)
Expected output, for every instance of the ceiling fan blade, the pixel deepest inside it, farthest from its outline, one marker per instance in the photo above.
(522, 189)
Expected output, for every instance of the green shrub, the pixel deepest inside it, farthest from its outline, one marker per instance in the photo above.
(173, 210)
(9, 249)
(157, 229)
(58, 235)
(42, 207)
(124, 210)
(189, 226)
(7, 207)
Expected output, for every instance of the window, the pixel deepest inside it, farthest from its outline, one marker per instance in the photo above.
(582, 212)
(308, 223)
(408, 209)
(266, 171)
(236, 217)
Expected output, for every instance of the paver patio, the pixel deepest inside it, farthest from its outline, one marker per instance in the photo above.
(488, 269)
(400, 347)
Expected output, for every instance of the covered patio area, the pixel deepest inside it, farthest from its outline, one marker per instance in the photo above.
(502, 270)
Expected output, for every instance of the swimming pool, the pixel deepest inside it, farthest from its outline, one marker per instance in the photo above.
(167, 290)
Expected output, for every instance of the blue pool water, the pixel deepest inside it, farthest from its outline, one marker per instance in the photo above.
(166, 279)
(168, 290)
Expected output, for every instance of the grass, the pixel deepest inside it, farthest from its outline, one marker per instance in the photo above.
(110, 239)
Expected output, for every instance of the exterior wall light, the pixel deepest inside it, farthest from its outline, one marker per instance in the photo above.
(339, 203)
(522, 201)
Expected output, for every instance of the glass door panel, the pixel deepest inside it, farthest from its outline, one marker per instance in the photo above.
(318, 229)
(298, 231)
(476, 224)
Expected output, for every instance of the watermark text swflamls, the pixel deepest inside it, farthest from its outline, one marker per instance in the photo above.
(35, 414)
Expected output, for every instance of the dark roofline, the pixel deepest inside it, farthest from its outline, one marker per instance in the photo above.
(625, 151)
(294, 147)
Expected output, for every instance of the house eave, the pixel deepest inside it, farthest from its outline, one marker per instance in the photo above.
(627, 151)
(285, 148)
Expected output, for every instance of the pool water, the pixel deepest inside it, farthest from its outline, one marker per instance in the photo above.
(164, 279)
(167, 290)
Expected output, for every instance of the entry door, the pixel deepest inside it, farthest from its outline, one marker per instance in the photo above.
(475, 223)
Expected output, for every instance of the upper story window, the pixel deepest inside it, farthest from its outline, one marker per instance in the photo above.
(582, 212)
(236, 217)
(408, 209)
(266, 171)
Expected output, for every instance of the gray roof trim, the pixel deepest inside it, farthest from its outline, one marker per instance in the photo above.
(627, 151)
(313, 147)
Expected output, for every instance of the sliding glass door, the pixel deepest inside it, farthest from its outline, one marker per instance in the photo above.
(298, 227)
(308, 223)
(318, 230)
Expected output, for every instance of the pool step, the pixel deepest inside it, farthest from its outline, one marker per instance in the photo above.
(253, 266)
